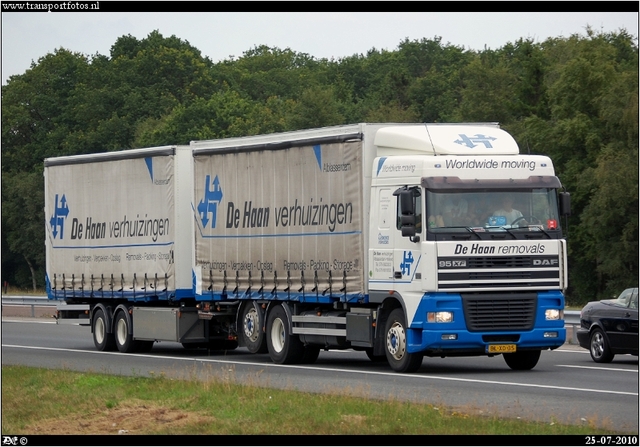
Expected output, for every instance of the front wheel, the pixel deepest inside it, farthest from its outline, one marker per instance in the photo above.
(600, 351)
(396, 344)
(522, 361)
(284, 347)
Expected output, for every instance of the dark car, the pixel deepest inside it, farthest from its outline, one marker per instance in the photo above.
(610, 327)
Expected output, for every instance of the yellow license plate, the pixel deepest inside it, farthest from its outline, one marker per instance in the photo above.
(500, 349)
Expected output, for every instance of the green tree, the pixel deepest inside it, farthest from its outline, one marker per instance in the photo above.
(23, 224)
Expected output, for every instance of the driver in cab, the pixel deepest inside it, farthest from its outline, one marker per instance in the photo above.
(511, 214)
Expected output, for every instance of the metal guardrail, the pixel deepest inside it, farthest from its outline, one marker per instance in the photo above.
(31, 300)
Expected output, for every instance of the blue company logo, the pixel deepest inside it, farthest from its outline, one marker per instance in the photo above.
(60, 213)
(475, 140)
(149, 162)
(318, 152)
(210, 202)
(405, 265)
(380, 164)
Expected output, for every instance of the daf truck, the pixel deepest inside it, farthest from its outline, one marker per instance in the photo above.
(387, 238)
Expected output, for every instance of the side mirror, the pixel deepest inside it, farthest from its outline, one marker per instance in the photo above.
(406, 197)
(565, 203)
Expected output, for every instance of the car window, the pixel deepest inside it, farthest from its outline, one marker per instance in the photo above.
(625, 298)
(633, 304)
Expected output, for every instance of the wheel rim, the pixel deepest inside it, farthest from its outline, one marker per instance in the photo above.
(250, 325)
(99, 330)
(277, 335)
(597, 345)
(396, 341)
(121, 331)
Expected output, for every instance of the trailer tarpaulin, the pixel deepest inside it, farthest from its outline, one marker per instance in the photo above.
(110, 227)
(283, 223)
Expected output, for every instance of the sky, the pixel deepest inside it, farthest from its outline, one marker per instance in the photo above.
(28, 36)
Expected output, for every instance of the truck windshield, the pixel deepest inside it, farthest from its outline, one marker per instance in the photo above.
(493, 209)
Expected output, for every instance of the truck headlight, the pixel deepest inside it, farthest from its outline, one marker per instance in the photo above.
(553, 314)
(439, 317)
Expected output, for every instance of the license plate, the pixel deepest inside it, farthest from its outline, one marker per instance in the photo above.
(500, 349)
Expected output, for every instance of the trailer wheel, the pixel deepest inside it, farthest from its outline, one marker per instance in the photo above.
(124, 340)
(284, 348)
(396, 344)
(103, 340)
(252, 333)
(522, 361)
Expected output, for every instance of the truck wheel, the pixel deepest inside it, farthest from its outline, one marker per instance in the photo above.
(599, 350)
(103, 340)
(252, 333)
(396, 344)
(124, 340)
(284, 348)
(522, 361)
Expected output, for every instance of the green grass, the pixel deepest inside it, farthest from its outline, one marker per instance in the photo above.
(42, 401)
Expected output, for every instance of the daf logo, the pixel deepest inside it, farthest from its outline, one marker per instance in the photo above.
(445, 264)
(547, 262)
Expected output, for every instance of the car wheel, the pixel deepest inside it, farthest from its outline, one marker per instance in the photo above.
(599, 347)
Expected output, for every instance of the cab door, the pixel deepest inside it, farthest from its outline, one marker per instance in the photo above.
(408, 233)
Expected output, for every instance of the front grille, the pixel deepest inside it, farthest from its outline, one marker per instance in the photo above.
(492, 272)
(490, 312)
(489, 262)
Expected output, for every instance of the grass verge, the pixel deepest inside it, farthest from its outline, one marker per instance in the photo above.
(39, 401)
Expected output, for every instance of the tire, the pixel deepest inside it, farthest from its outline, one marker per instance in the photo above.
(522, 361)
(396, 344)
(124, 340)
(599, 347)
(252, 322)
(104, 341)
(284, 348)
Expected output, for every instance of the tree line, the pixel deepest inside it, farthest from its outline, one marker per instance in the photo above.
(573, 98)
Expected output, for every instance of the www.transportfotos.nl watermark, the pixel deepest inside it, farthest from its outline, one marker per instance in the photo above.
(50, 6)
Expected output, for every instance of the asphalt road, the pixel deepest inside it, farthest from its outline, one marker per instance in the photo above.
(565, 387)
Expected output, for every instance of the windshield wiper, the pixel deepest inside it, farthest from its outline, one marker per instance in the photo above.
(469, 229)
